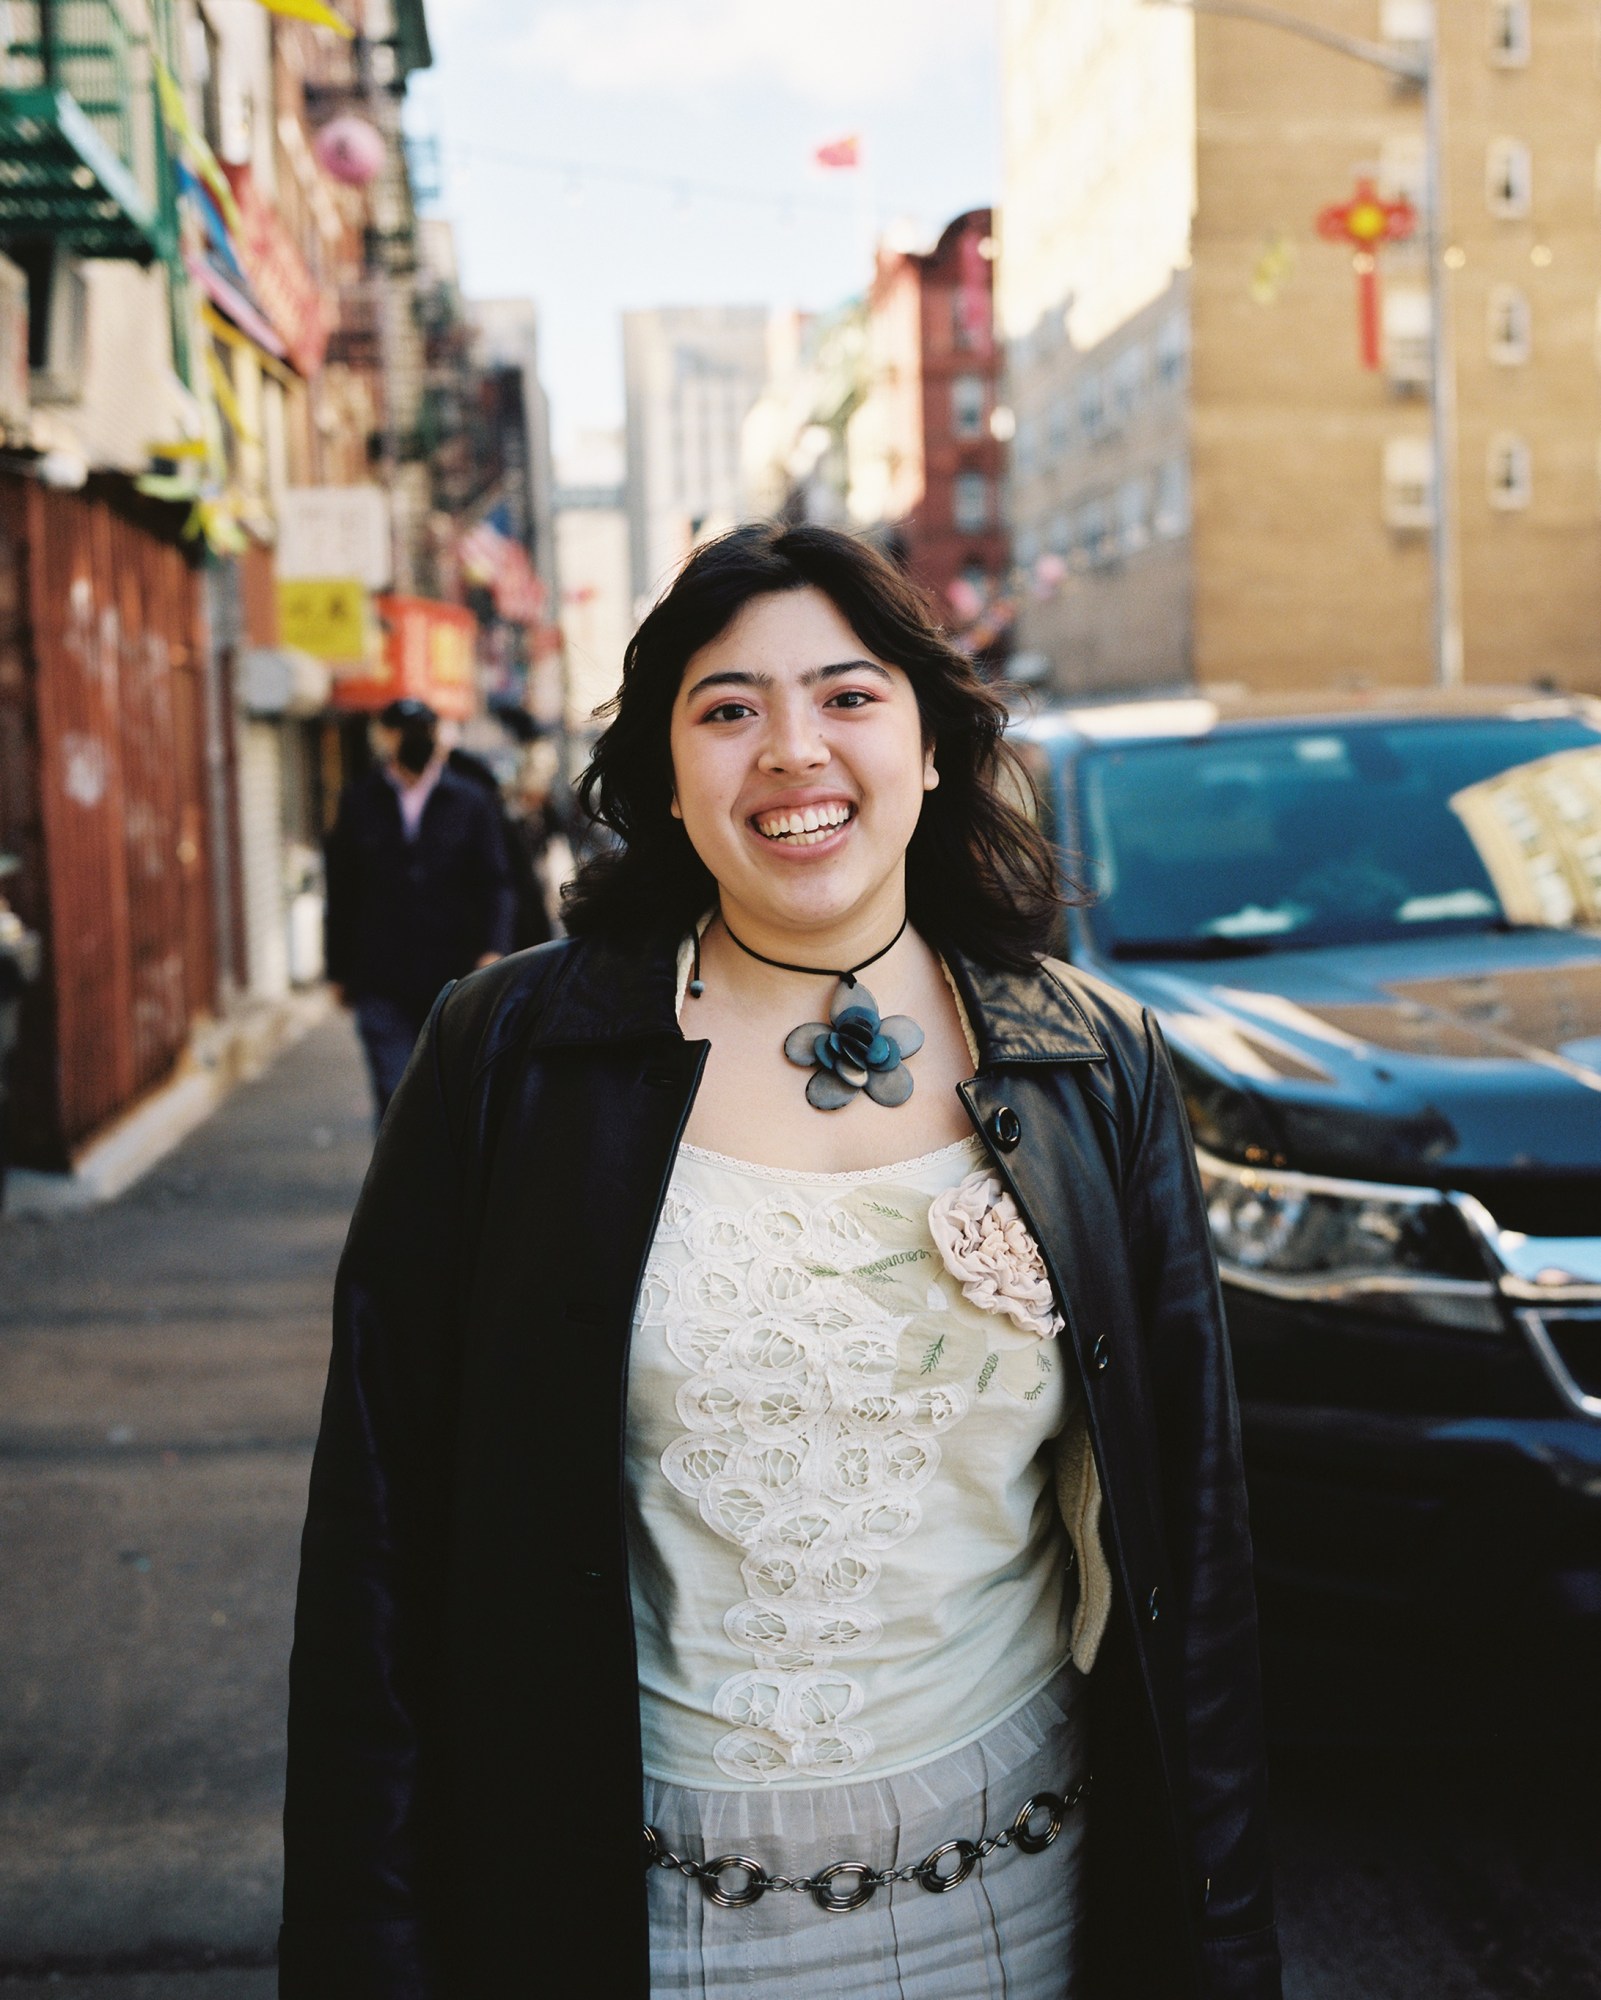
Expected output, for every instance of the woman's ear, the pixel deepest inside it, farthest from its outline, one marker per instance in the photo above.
(674, 808)
(930, 773)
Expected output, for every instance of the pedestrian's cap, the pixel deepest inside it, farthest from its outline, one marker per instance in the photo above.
(399, 713)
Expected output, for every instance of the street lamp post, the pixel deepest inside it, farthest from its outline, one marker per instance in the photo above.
(1425, 70)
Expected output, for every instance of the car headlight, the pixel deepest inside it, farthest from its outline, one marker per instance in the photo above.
(1401, 1251)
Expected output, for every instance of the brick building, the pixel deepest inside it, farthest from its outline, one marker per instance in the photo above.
(925, 464)
(1208, 482)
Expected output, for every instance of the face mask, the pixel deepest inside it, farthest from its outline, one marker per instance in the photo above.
(416, 748)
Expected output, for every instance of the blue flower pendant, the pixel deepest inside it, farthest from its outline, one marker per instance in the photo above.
(854, 1051)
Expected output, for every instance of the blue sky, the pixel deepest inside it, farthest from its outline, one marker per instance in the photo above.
(671, 103)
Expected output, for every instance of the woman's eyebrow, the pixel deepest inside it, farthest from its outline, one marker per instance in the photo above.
(748, 677)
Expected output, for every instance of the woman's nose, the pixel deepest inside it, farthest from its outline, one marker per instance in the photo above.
(794, 740)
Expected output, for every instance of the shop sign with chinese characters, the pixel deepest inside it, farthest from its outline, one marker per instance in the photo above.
(329, 617)
(427, 652)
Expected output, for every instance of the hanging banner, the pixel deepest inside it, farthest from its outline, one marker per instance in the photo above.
(279, 275)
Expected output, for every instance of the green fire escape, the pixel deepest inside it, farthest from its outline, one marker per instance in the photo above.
(82, 155)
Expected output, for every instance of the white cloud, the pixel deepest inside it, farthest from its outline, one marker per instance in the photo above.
(833, 52)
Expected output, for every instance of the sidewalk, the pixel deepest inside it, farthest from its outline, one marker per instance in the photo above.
(161, 1364)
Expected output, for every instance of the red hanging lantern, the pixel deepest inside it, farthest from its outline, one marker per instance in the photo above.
(1366, 221)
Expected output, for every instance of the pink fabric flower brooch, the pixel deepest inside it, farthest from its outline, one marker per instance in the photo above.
(985, 1245)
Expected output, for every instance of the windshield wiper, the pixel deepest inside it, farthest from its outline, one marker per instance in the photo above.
(1195, 947)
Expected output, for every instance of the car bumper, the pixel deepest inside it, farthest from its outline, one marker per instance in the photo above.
(1411, 1468)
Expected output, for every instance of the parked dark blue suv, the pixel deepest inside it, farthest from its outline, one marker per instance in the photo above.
(1371, 929)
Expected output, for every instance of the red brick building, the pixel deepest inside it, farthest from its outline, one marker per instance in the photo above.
(926, 467)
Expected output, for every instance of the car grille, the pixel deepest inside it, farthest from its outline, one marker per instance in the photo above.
(1538, 1204)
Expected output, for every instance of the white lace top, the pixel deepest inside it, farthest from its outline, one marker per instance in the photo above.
(845, 1551)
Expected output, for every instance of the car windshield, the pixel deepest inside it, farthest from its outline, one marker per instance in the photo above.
(1273, 839)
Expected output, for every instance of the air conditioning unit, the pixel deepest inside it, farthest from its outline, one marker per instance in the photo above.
(58, 327)
(13, 345)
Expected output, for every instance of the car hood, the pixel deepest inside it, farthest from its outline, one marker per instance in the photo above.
(1401, 1060)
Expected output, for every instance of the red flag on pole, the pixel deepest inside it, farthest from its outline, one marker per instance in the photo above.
(846, 152)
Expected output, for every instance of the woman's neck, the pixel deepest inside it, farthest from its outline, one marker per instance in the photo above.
(824, 948)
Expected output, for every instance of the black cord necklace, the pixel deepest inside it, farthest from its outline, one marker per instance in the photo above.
(854, 1049)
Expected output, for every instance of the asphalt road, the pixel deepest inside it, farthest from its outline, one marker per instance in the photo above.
(160, 1369)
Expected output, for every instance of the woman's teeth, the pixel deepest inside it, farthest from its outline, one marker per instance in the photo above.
(805, 828)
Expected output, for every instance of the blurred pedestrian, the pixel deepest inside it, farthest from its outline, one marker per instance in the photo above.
(419, 888)
(835, 1475)
(544, 856)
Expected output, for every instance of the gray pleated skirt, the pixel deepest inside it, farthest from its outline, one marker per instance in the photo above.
(1009, 1932)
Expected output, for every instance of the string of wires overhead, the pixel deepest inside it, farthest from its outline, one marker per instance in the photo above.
(574, 178)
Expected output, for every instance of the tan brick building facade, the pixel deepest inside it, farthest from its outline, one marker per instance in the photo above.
(1307, 561)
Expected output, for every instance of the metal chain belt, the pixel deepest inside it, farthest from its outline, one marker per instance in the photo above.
(847, 1885)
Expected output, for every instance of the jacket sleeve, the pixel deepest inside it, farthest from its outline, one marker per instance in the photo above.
(1208, 1544)
(366, 1666)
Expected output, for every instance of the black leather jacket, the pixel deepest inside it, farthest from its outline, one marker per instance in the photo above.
(464, 1764)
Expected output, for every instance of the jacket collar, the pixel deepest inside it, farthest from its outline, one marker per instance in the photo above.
(609, 991)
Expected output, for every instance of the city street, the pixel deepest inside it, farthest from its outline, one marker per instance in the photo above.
(160, 1370)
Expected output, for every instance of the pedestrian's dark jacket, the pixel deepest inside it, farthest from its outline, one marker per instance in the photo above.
(464, 1801)
(406, 916)
(524, 848)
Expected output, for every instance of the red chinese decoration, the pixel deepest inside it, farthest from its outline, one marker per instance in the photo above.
(1366, 221)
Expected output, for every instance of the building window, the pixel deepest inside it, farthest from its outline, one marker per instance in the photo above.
(1171, 515)
(1133, 516)
(1058, 422)
(1509, 33)
(1511, 327)
(1096, 545)
(971, 506)
(1023, 446)
(1404, 169)
(1126, 379)
(1408, 325)
(1409, 482)
(970, 316)
(1509, 179)
(1407, 24)
(1091, 404)
(1173, 347)
(1511, 471)
(968, 398)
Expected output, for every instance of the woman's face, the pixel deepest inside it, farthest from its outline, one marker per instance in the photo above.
(799, 767)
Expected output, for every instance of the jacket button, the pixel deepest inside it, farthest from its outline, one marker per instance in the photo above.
(1153, 1605)
(1100, 1353)
(1006, 1128)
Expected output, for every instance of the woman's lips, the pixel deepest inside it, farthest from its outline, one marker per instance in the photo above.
(803, 826)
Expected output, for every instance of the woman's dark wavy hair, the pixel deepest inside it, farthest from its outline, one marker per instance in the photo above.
(980, 876)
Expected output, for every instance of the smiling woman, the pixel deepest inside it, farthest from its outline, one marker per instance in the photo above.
(757, 1417)
(759, 613)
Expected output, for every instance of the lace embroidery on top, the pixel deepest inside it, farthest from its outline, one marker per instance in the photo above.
(826, 1364)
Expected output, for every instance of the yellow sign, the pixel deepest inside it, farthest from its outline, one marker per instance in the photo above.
(450, 656)
(327, 616)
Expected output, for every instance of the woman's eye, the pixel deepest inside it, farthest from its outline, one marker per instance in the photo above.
(851, 698)
(727, 711)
